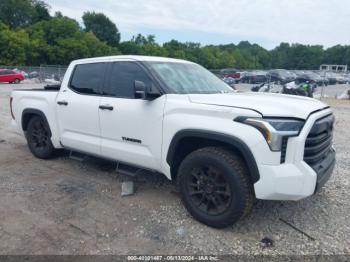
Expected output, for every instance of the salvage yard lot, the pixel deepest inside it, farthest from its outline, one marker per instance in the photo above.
(63, 206)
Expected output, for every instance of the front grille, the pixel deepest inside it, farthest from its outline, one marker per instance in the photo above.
(319, 141)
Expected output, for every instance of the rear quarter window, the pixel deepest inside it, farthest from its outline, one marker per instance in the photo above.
(88, 78)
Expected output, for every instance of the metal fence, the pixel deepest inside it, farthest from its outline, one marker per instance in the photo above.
(43, 73)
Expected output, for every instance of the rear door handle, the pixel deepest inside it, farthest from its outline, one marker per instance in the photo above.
(62, 103)
(106, 107)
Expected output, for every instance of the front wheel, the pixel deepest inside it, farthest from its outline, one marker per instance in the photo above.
(39, 139)
(17, 81)
(215, 186)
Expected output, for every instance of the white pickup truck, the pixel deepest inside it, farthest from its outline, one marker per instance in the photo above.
(224, 148)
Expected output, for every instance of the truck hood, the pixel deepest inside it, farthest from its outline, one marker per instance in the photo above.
(266, 104)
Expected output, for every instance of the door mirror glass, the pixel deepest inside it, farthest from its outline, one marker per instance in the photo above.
(140, 89)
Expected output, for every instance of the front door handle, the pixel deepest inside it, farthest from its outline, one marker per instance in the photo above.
(106, 107)
(62, 103)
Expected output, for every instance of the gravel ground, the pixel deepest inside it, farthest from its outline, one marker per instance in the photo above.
(63, 206)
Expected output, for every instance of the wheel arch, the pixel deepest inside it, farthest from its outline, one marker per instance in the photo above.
(28, 114)
(199, 138)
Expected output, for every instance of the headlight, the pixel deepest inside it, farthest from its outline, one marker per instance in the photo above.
(274, 129)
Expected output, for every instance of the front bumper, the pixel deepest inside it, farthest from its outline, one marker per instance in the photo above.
(325, 171)
(294, 179)
(285, 182)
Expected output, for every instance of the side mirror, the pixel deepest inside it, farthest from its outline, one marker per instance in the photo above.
(142, 92)
(140, 89)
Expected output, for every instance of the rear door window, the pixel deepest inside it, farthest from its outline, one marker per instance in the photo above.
(88, 78)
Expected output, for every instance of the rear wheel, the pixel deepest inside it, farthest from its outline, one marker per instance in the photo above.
(38, 138)
(215, 187)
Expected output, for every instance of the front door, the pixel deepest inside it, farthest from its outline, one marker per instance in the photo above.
(131, 128)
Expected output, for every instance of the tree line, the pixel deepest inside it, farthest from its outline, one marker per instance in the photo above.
(29, 35)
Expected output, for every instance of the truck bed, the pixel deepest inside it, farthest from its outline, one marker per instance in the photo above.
(39, 99)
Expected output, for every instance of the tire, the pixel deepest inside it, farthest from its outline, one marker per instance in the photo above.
(215, 187)
(39, 139)
(16, 81)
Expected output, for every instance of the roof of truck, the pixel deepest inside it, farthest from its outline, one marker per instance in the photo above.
(131, 57)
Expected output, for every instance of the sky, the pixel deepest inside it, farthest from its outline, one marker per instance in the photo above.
(265, 22)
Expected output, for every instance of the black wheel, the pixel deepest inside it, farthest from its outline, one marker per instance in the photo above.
(39, 139)
(215, 187)
(16, 81)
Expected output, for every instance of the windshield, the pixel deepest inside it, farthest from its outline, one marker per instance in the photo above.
(186, 78)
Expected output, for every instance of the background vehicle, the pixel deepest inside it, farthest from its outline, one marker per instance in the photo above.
(10, 76)
(311, 77)
(171, 116)
(347, 78)
(281, 76)
(331, 77)
(254, 77)
(267, 87)
(340, 78)
(33, 74)
(230, 72)
(230, 81)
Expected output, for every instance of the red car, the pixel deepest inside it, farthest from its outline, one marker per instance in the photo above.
(230, 72)
(10, 76)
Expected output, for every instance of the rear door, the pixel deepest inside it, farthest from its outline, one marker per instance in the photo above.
(78, 108)
(131, 128)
